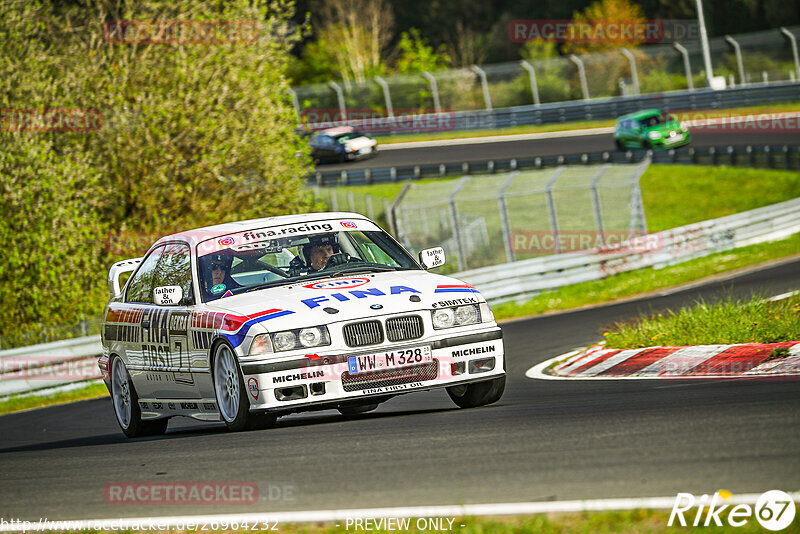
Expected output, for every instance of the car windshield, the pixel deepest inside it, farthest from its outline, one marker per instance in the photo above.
(282, 260)
(348, 136)
(652, 121)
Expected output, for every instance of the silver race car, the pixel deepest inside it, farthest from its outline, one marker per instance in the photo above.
(244, 322)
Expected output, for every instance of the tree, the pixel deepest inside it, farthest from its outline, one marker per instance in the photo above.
(416, 55)
(356, 33)
(193, 132)
(598, 15)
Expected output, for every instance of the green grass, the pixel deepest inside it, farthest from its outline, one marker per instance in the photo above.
(631, 522)
(752, 320)
(675, 195)
(579, 125)
(646, 280)
(17, 403)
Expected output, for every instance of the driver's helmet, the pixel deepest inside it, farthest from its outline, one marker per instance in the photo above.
(320, 240)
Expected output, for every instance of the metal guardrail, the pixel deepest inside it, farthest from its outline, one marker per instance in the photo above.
(601, 108)
(761, 156)
(520, 280)
(48, 365)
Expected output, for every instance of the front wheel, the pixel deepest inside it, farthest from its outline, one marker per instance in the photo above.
(477, 393)
(234, 406)
(126, 405)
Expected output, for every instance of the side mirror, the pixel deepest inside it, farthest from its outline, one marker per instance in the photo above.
(432, 257)
(168, 295)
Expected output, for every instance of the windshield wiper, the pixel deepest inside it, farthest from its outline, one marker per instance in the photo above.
(274, 283)
(369, 268)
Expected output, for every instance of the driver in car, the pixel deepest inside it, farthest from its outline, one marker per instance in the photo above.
(318, 256)
(322, 251)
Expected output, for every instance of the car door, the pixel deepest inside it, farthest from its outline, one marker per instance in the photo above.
(167, 332)
(138, 309)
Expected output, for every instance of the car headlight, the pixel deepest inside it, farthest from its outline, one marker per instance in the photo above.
(314, 336)
(310, 337)
(654, 135)
(262, 344)
(457, 316)
(443, 318)
(284, 341)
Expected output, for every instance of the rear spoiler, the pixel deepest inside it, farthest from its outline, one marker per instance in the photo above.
(124, 266)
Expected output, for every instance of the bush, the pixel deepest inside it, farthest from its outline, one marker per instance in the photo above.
(192, 134)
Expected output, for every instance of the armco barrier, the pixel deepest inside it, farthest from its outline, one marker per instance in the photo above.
(761, 156)
(604, 108)
(48, 365)
(523, 279)
(75, 360)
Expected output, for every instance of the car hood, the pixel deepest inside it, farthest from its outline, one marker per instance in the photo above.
(354, 297)
(665, 128)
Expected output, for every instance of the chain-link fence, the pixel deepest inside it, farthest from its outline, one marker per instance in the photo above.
(501, 218)
(747, 59)
(374, 207)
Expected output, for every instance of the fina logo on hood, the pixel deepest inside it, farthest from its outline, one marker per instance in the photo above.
(344, 283)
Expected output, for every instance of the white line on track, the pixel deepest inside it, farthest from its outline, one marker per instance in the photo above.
(594, 505)
(783, 296)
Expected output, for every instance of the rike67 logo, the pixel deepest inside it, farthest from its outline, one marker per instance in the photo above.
(774, 510)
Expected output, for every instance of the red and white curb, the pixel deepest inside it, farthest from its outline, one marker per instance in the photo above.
(701, 361)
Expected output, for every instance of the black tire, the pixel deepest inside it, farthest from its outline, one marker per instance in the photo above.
(349, 411)
(126, 405)
(477, 393)
(230, 393)
(646, 145)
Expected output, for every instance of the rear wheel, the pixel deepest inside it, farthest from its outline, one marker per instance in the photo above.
(126, 404)
(477, 393)
(234, 406)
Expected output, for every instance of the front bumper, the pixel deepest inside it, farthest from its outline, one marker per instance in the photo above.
(668, 142)
(324, 379)
(355, 156)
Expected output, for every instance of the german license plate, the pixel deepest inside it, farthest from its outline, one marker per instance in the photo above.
(389, 360)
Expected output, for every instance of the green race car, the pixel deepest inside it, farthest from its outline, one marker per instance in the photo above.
(650, 129)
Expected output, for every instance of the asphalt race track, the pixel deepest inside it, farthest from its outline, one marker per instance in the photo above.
(548, 147)
(544, 440)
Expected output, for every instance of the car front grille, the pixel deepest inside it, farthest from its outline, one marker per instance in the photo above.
(361, 334)
(404, 328)
(390, 377)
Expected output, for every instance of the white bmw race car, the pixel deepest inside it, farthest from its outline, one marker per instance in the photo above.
(246, 321)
